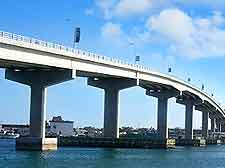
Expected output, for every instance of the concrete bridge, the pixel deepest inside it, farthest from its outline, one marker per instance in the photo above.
(40, 64)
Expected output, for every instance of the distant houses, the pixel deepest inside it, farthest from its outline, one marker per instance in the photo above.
(57, 127)
(22, 130)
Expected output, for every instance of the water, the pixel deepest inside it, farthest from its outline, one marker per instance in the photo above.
(202, 157)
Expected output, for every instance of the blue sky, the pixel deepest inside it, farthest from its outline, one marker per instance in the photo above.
(189, 36)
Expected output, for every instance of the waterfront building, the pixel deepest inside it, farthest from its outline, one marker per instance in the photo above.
(179, 133)
(176, 133)
(59, 127)
(81, 132)
(88, 131)
(197, 134)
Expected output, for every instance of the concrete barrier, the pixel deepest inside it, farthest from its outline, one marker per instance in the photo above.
(32, 143)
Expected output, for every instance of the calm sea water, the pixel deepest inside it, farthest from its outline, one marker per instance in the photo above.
(205, 157)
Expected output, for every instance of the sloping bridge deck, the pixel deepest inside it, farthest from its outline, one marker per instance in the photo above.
(27, 53)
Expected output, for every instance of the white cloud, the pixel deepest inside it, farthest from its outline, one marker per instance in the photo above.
(218, 18)
(210, 4)
(106, 7)
(89, 12)
(187, 36)
(132, 7)
(124, 8)
(112, 31)
(173, 24)
(171, 28)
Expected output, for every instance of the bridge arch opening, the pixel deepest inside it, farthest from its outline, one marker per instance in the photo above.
(137, 110)
(14, 102)
(76, 101)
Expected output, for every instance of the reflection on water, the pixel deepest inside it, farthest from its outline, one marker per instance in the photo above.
(206, 157)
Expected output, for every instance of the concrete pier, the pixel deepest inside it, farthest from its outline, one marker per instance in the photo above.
(190, 101)
(35, 143)
(162, 96)
(213, 123)
(111, 118)
(37, 111)
(222, 127)
(218, 125)
(111, 86)
(162, 117)
(188, 121)
(205, 116)
(38, 80)
(123, 142)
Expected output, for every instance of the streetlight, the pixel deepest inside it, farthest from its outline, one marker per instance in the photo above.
(76, 36)
(169, 69)
(137, 57)
(203, 86)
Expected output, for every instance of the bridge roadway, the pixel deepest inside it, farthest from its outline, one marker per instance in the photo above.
(40, 64)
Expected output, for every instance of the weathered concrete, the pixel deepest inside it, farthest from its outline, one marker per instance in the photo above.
(111, 86)
(205, 117)
(38, 80)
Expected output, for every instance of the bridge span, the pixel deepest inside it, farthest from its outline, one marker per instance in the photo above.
(40, 64)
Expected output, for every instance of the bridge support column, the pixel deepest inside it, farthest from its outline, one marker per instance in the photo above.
(205, 116)
(162, 117)
(111, 113)
(189, 101)
(223, 127)
(213, 122)
(218, 125)
(111, 86)
(37, 111)
(188, 121)
(162, 97)
(38, 80)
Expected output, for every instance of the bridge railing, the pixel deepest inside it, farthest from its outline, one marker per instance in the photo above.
(90, 55)
(79, 52)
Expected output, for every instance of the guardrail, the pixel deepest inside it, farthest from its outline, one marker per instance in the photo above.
(25, 39)
(94, 56)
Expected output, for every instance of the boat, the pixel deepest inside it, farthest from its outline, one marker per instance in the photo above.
(8, 135)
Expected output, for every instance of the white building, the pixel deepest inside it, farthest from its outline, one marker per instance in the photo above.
(60, 127)
(81, 132)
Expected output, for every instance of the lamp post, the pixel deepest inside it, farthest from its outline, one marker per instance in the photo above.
(169, 69)
(76, 36)
(137, 57)
(189, 79)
